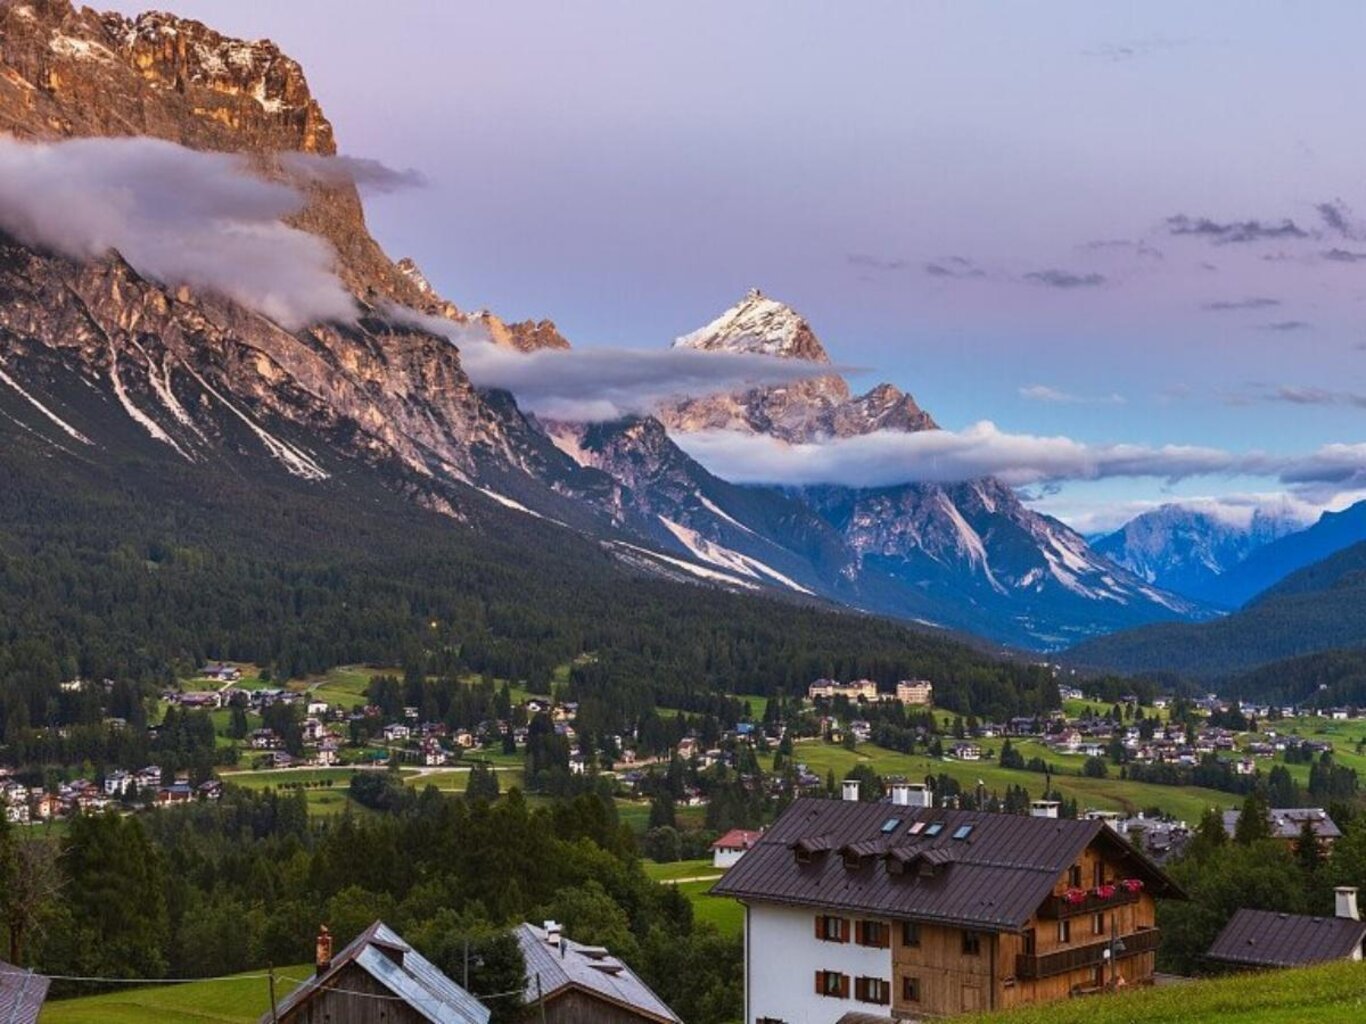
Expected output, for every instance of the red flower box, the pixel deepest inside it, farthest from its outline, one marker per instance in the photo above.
(1105, 892)
(1132, 884)
(1075, 896)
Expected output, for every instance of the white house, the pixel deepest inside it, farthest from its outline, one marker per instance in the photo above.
(732, 846)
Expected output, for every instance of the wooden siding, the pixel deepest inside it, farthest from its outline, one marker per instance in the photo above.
(352, 1005)
(574, 1006)
(952, 981)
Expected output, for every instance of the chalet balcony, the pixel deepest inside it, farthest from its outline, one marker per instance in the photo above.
(1058, 907)
(1145, 940)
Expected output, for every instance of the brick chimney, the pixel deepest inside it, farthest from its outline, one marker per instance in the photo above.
(323, 953)
(1345, 899)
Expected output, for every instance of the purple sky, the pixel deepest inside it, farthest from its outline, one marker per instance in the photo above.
(630, 169)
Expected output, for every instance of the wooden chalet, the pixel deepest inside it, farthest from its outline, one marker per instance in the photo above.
(881, 908)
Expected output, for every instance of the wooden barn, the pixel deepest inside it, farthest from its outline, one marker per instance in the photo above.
(570, 983)
(377, 979)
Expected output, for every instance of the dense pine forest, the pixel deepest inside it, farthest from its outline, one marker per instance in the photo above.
(137, 572)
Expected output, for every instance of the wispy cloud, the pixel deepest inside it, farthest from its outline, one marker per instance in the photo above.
(1286, 326)
(888, 458)
(954, 266)
(866, 261)
(1124, 245)
(1339, 219)
(178, 216)
(366, 174)
(1057, 396)
(596, 384)
(1308, 395)
(1234, 232)
(1134, 49)
(1055, 278)
(1226, 305)
(1336, 255)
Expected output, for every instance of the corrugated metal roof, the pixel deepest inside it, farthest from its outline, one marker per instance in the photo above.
(587, 968)
(21, 994)
(994, 879)
(417, 981)
(1266, 938)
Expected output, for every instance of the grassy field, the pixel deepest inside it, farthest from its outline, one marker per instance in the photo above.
(726, 914)
(1335, 994)
(239, 1000)
(1186, 802)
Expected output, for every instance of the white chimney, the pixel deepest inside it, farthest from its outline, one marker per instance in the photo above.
(1043, 809)
(1346, 900)
(912, 794)
(552, 933)
(850, 790)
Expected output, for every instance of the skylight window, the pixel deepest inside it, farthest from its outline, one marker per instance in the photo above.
(916, 828)
(962, 832)
(890, 825)
(934, 829)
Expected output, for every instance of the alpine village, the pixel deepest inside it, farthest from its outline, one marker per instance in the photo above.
(369, 658)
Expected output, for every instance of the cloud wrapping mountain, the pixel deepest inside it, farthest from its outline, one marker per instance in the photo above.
(176, 215)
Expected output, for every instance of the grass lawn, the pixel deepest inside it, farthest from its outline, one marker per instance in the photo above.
(1186, 802)
(1333, 994)
(680, 869)
(240, 1000)
(726, 914)
(345, 685)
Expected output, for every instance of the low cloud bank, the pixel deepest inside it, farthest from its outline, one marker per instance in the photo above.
(185, 217)
(888, 458)
(597, 384)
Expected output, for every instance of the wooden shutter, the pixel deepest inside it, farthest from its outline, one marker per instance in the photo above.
(844, 984)
(820, 989)
(820, 927)
(844, 929)
(884, 934)
(884, 992)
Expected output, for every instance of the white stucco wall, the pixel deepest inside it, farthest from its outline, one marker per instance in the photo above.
(725, 858)
(782, 956)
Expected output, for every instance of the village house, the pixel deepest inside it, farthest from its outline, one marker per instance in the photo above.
(727, 851)
(396, 732)
(907, 910)
(915, 692)
(966, 751)
(377, 977)
(1288, 822)
(1266, 939)
(828, 689)
(570, 983)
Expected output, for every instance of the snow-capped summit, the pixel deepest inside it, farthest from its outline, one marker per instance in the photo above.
(1187, 547)
(758, 325)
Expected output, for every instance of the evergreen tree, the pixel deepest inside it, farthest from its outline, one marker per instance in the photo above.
(1254, 821)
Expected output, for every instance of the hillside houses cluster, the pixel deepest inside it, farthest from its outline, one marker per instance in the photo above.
(911, 692)
(118, 789)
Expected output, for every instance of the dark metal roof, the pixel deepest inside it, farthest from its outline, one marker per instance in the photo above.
(1287, 822)
(569, 964)
(1268, 939)
(995, 879)
(21, 994)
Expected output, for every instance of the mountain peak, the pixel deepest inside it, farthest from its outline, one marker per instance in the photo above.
(758, 325)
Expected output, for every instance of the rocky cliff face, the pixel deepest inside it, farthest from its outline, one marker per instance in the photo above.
(196, 376)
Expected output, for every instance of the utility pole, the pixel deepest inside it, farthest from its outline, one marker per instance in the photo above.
(274, 1012)
(540, 997)
(467, 963)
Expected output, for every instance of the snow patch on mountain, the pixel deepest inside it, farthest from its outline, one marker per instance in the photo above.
(66, 428)
(725, 558)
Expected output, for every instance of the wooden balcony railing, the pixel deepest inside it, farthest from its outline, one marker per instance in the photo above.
(1056, 907)
(1145, 940)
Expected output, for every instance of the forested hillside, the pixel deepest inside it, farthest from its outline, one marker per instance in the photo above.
(135, 571)
(1320, 608)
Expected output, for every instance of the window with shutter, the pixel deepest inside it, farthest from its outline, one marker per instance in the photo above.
(910, 990)
(844, 929)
